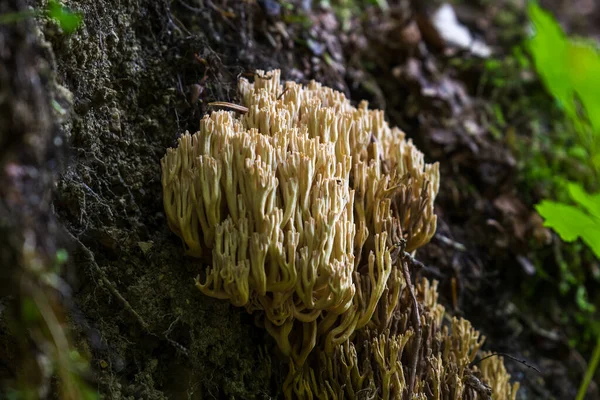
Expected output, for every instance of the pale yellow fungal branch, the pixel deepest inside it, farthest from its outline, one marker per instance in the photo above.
(289, 196)
(177, 181)
(464, 343)
(301, 202)
(494, 374)
(373, 363)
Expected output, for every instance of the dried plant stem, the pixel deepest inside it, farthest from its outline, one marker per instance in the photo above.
(417, 326)
(231, 106)
(92, 260)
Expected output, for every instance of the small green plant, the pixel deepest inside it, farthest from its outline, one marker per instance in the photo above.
(570, 70)
(67, 20)
(346, 9)
(550, 143)
(572, 222)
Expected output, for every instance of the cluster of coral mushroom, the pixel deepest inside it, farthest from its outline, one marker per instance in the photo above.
(288, 195)
(306, 204)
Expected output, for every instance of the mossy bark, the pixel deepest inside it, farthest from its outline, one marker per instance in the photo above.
(125, 77)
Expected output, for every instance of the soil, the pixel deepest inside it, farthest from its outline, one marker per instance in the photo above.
(139, 73)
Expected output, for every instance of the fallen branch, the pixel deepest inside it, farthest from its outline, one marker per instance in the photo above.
(92, 260)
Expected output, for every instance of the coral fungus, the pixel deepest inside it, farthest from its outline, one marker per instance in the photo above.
(308, 206)
(288, 197)
(373, 363)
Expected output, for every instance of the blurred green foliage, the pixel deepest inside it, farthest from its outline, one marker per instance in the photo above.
(570, 70)
(541, 103)
(68, 20)
(346, 9)
(572, 222)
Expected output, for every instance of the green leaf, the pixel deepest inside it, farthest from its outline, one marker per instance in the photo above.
(68, 20)
(584, 72)
(572, 223)
(548, 46)
(570, 68)
(568, 221)
(591, 237)
(591, 203)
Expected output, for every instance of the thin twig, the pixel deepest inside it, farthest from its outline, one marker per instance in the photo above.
(282, 93)
(190, 8)
(525, 363)
(92, 260)
(232, 106)
(446, 240)
(422, 266)
(417, 326)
